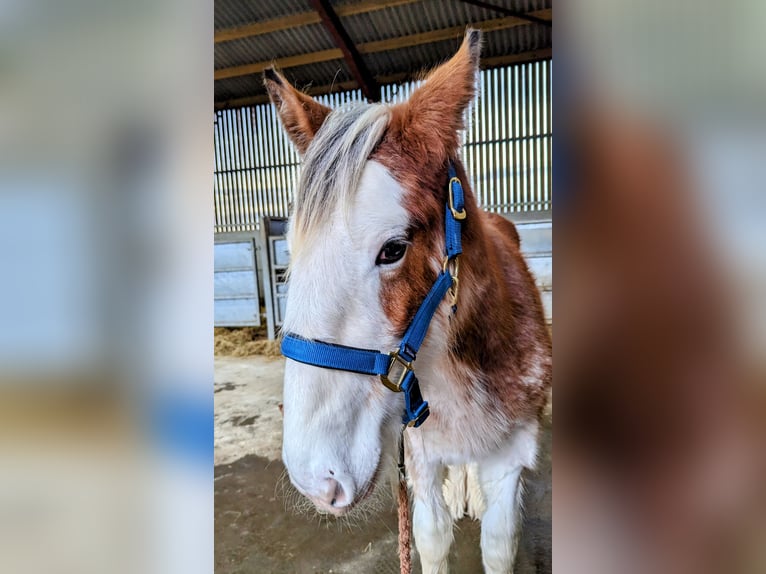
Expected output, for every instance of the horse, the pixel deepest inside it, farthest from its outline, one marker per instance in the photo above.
(390, 250)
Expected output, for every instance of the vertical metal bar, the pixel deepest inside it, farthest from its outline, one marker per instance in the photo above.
(485, 171)
(495, 112)
(261, 175)
(227, 170)
(541, 124)
(242, 142)
(224, 175)
(549, 99)
(527, 134)
(235, 128)
(492, 175)
(242, 196)
(276, 142)
(291, 174)
(286, 183)
(533, 133)
(541, 128)
(511, 158)
(522, 157)
(218, 186)
(247, 121)
(261, 162)
(274, 194)
(508, 136)
(232, 171)
(217, 175)
(519, 108)
(475, 119)
(254, 216)
(267, 170)
(543, 137)
(500, 179)
(231, 126)
(502, 176)
(280, 138)
(533, 142)
(516, 133)
(247, 130)
(485, 167)
(481, 135)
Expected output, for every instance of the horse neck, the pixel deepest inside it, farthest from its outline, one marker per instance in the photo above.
(483, 318)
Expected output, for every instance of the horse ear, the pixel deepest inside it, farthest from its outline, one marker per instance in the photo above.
(301, 115)
(433, 115)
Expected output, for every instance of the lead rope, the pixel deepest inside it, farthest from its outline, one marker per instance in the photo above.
(405, 525)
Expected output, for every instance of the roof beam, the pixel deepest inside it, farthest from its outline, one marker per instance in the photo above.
(486, 63)
(508, 12)
(351, 55)
(372, 47)
(302, 19)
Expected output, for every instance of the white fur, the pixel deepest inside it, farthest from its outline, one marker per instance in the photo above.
(333, 420)
(340, 422)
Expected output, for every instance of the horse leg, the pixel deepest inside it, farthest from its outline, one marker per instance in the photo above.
(500, 477)
(431, 519)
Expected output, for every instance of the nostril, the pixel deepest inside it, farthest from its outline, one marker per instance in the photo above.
(334, 494)
(332, 472)
(338, 494)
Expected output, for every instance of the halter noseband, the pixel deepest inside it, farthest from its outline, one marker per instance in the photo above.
(395, 368)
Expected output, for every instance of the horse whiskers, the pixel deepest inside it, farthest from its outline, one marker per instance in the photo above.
(294, 502)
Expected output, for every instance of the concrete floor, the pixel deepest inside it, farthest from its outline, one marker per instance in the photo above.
(256, 531)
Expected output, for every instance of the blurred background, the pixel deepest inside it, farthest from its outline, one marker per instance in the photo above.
(660, 270)
(106, 291)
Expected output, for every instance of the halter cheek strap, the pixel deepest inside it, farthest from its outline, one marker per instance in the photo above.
(395, 368)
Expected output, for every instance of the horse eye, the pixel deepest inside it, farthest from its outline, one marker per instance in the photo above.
(392, 252)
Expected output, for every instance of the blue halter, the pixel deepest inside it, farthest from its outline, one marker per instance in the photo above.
(395, 368)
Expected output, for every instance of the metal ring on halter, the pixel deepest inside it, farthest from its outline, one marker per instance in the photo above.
(453, 267)
(392, 382)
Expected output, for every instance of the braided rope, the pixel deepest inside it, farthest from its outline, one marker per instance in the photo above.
(405, 557)
(405, 524)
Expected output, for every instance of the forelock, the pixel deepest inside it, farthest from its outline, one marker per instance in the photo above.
(334, 161)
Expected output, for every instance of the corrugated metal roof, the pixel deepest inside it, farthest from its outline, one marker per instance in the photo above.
(230, 13)
(384, 24)
(425, 16)
(280, 44)
(417, 58)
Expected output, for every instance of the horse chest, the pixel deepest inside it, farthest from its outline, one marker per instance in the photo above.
(465, 424)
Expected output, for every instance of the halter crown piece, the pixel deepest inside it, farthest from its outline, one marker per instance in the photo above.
(395, 368)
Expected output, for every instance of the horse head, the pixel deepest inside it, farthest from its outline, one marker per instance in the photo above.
(367, 242)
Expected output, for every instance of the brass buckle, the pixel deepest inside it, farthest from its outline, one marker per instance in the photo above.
(455, 213)
(454, 274)
(406, 368)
